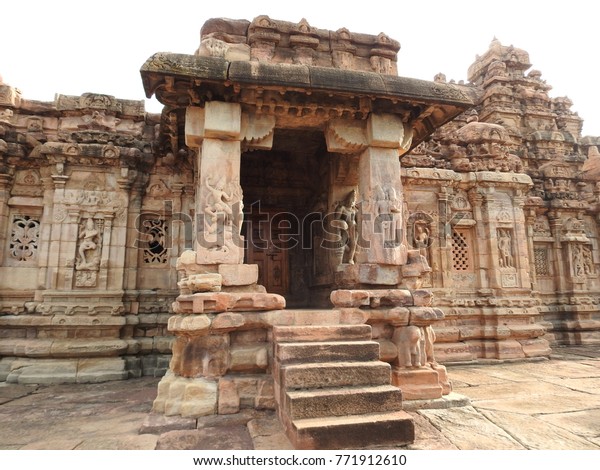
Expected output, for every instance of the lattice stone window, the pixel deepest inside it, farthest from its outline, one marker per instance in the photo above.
(540, 260)
(460, 251)
(24, 238)
(156, 250)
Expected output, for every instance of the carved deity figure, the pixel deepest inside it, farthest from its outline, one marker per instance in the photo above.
(578, 261)
(588, 262)
(223, 212)
(505, 249)
(421, 238)
(88, 246)
(388, 210)
(345, 220)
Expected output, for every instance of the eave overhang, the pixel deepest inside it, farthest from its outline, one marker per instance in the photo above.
(296, 91)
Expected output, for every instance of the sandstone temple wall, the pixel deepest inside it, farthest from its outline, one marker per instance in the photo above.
(97, 205)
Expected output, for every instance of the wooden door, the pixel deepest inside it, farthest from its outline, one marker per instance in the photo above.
(266, 248)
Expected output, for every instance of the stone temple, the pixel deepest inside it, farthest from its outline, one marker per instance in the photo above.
(302, 229)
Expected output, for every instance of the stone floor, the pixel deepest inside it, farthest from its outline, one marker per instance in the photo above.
(547, 404)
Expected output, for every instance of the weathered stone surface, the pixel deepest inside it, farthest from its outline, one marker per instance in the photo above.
(327, 351)
(158, 423)
(227, 322)
(335, 374)
(228, 399)
(249, 358)
(304, 404)
(537, 433)
(417, 384)
(189, 398)
(222, 438)
(238, 274)
(321, 333)
(468, 430)
(210, 282)
(193, 325)
(200, 356)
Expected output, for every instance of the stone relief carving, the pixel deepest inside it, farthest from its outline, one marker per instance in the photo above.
(24, 238)
(411, 342)
(505, 249)
(345, 224)
(223, 213)
(583, 264)
(388, 213)
(89, 243)
(541, 227)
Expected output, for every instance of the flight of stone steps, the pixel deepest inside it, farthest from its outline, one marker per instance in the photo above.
(333, 392)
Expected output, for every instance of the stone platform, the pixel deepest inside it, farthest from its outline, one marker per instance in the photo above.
(544, 404)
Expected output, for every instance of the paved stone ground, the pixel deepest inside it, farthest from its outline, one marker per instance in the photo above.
(548, 404)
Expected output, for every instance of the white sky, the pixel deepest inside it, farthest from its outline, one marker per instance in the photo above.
(69, 47)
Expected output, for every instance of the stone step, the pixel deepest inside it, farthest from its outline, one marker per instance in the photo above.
(317, 403)
(304, 317)
(335, 374)
(326, 351)
(299, 333)
(354, 431)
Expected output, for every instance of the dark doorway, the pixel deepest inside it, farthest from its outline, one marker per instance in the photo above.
(285, 192)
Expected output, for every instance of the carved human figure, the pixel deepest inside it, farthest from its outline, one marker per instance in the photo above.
(408, 341)
(505, 249)
(421, 238)
(218, 203)
(578, 261)
(89, 242)
(345, 220)
(388, 209)
(588, 262)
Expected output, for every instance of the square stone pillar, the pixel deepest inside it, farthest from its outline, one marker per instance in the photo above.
(382, 227)
(216, 131)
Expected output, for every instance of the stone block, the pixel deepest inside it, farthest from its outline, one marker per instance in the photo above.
(88, 347)
(200, 356)
(321, 333)
(199, 398)
(94, 370)
(209, 282)
(227, 322)
(43, 371)
(422, 298)
(229, 400)
(397, 316)
(238, 274)
(265, 396)
(538, 347)
(248, 336)
(222, 120)
(353, 316)
(189, 324)
(379, 275)
(349, 298)
(249, 358)
(424, 316)
(417, 383)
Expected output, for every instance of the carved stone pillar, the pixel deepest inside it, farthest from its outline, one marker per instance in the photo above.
(382, 220)
(216, 131)
(217, 289)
